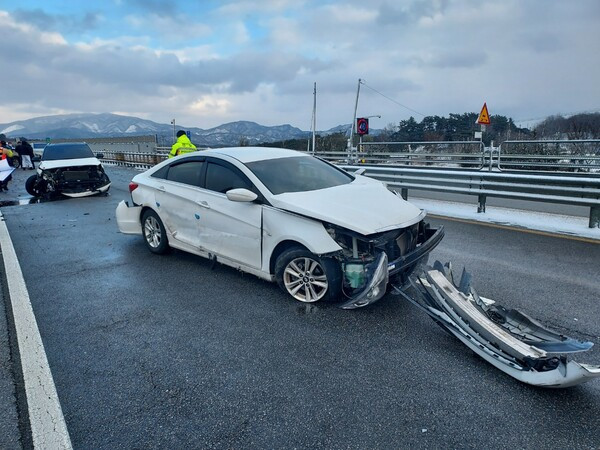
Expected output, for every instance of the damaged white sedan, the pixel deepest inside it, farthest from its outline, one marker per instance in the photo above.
(285, 216)
(323, 233)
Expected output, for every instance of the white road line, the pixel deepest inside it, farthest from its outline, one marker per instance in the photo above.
(48, 427)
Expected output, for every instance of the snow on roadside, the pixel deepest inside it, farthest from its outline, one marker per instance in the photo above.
(531, 220)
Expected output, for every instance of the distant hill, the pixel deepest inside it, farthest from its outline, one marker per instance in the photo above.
(82, 126)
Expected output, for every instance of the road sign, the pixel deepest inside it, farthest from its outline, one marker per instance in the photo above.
(484, 117)
(362, 126)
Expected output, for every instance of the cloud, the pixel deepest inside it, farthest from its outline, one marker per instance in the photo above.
(64, 23)
(206, 62)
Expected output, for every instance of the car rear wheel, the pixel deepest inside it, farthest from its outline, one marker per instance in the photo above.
(306, 277)
(155, 235)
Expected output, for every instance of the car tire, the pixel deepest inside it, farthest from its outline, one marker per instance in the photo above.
(322, 280)
(154, 233)
(32, 186)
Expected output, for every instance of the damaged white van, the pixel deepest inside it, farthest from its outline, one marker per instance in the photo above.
(285, 216)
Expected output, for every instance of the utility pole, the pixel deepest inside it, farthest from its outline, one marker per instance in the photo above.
(351, 139)
(314, 124)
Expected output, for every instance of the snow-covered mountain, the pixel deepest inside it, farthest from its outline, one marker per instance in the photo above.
(82, 126)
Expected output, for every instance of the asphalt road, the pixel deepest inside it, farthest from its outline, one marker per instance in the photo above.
(163, 351)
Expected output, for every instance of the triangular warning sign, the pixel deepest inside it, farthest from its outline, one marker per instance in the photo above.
(484, 117)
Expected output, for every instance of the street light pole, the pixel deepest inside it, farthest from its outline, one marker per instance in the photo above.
(351, 139)
(173, 123)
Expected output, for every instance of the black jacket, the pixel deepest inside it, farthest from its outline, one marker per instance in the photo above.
(24, 148)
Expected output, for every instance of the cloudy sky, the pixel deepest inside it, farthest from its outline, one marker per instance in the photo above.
(205, 63)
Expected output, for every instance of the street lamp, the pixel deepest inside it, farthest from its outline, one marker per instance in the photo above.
(173, 123)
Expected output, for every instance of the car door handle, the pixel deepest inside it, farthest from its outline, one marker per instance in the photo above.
(161, 188)
(204, 204)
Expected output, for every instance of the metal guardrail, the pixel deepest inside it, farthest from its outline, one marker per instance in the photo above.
(455, 154)
(450, 172)
(581, 155)
(569, 156)
(566, 189)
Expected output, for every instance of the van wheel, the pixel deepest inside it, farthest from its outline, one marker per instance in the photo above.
(306, 277)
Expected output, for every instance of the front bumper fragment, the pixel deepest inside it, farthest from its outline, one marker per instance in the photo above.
(376, 286)
(507, 339)
(433, 237)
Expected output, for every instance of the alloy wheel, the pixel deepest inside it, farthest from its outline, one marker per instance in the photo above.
(305, 280)
(152, 232)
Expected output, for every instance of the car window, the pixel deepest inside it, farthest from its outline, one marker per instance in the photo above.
(221, 179)
(298, 174)
(66, 151)
(188, 172)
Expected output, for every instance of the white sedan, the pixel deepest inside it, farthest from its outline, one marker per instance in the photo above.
(285, 216)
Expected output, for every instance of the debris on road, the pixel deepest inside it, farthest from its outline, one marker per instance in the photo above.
(506, 338)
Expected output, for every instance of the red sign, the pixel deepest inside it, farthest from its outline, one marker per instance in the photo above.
(362, 126)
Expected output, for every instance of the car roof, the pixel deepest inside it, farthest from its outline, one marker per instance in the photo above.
(251, 154)
(65, 144)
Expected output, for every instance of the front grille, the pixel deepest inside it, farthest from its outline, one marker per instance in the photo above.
(76, 175)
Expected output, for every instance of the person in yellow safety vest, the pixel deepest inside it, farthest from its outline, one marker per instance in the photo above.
(183, 145)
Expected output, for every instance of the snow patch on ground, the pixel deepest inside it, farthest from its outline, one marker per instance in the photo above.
(531, 220)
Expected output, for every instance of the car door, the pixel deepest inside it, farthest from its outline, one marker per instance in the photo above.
(230, 229)
(177, 197)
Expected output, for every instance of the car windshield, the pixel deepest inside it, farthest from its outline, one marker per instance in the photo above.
(298, 174)
(67, 151)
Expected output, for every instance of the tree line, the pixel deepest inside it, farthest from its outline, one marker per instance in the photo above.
(462, 127)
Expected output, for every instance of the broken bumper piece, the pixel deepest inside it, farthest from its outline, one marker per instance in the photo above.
(508, 339)
(376, 284)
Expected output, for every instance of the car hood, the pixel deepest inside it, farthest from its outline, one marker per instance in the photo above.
(365, 206)
(60, 163)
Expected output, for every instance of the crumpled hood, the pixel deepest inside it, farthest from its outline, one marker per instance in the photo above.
(365, 206)
(59, 163)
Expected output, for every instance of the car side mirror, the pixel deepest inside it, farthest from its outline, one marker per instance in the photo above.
(100, 155)
(241, 195)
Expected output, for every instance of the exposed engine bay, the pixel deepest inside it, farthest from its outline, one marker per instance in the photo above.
(380, 258)
(70, 181)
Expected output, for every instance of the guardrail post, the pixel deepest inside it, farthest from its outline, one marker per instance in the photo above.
(595, 217)
(481, 206)
(404, 193)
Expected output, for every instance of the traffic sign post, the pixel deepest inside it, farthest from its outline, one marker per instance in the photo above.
(362, 126)
(484, 116)
(483, 120)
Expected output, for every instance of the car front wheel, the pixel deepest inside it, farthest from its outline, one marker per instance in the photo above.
(306, 277)
(155, 235)
(34, 187)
